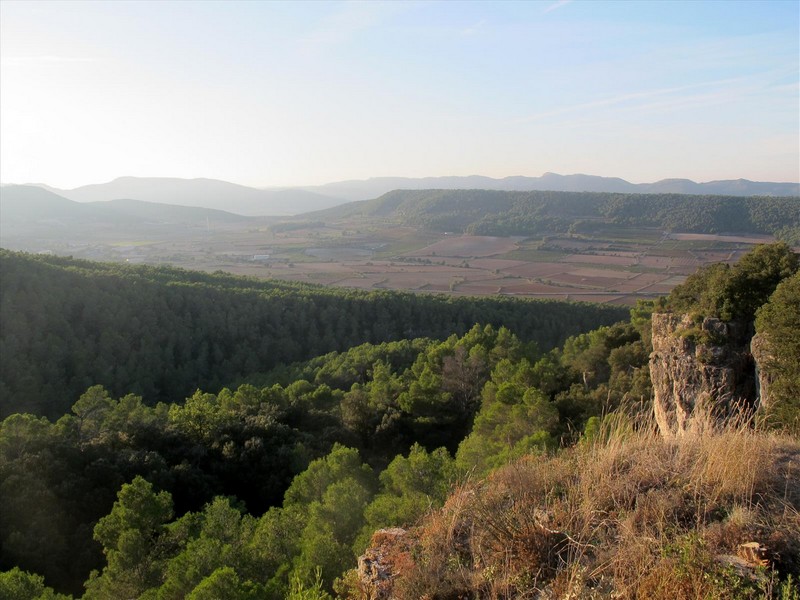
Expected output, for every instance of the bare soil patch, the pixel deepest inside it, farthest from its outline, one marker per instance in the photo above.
(603, 298)
(496, 263)
(516, 286)
(601, 259)
(602, 273)
(469, 246)
(616, 266)
(417, 280)
(537, 269)
(752, 238)
(641, 282)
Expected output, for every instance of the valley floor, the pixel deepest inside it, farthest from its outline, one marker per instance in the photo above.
(616, 267)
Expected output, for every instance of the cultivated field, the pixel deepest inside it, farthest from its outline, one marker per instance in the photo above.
(616, 267)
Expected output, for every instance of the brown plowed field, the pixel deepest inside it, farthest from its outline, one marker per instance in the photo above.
(502, 264)
(752, 238)
(467, 246)
(532, 289)
(537, 269)
(594, 259)
(374, 255)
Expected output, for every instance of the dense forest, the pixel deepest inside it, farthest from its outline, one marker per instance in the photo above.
(486, 212)
(163, 332)
(272, 488)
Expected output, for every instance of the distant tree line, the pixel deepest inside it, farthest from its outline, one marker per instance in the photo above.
(163, 332)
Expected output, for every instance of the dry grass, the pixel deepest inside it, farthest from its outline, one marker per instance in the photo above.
(630, 515)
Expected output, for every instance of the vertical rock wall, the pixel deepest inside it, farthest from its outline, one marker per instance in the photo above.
(762, 356)
(704, 368)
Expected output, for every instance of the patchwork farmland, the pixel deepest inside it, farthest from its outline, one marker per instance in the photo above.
(617, 266)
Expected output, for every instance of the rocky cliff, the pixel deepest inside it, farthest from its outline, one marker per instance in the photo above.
(763, 358)
(700, 368)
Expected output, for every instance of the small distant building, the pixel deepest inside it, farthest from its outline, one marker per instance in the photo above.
(260, 257)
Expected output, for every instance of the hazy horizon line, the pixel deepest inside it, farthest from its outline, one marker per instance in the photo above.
(339, 181)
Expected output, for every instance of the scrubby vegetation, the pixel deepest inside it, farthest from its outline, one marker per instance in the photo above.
(627, 514)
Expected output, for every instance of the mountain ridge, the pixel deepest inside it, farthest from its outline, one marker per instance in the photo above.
(207, 193)
(366, 189)
(28, 204)
(250, 201)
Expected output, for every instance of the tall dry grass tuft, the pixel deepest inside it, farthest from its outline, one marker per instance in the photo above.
(441, 567)
(666, 510)
(628, 514)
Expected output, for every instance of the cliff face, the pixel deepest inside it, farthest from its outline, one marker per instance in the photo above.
(762, 355)
(707, 366)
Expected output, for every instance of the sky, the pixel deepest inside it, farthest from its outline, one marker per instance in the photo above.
(305, 93)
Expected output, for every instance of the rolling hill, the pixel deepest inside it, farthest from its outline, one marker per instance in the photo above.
(202, 193)
(25, 205)
(503, 213)
(222, 195)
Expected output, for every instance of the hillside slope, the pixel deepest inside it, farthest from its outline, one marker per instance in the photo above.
(502, 213)
(67, 324)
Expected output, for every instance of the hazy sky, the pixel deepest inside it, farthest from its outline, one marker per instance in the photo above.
(272, 93)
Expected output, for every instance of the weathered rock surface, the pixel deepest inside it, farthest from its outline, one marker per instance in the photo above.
(702, 368)
(387, 557)
(762, 356)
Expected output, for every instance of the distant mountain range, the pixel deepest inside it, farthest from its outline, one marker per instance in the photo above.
(372, 188)
(243, 200)
(202, 193)
(28, 205)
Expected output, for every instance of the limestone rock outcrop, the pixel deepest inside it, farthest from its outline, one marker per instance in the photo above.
(700, 368)
(388, 555)
(762, 356)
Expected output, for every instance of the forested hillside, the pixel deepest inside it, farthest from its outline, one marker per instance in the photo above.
(377, 401)
(272, 489)
(162, 333)
(486, 212)
(354, 415)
